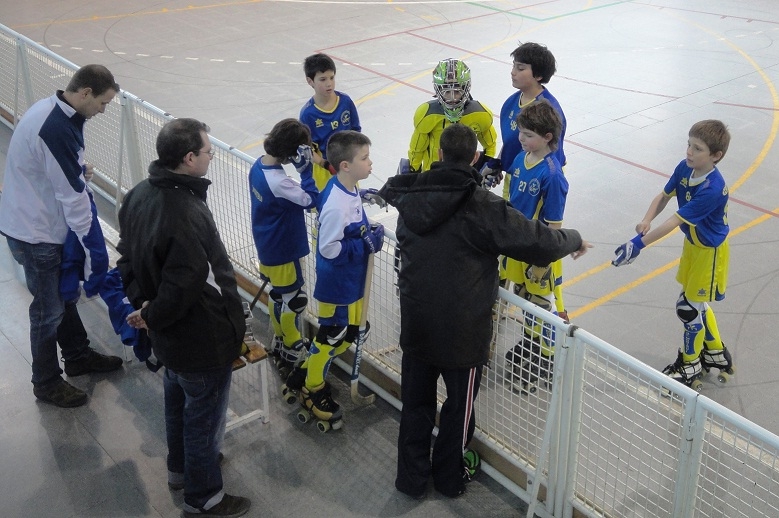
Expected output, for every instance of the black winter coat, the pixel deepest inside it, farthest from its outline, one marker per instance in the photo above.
(451, 232)
(172, 256)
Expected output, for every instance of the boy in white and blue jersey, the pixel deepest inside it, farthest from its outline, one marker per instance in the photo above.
(326, 113)
(538, 189)
(280, 235)
(346, 239)
(702, 195)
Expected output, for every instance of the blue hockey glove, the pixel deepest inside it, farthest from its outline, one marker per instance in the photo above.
(374, 238)
(371, 197)
(627, 253)
(404, 167)
(491, 173)
(303, 159)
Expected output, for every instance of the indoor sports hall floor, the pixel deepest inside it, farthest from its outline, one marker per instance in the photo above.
(632, 77)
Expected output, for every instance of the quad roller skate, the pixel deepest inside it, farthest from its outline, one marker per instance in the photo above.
(688, 373)
(527, 368)
(290, 390)
(319, 404)
(719, 359)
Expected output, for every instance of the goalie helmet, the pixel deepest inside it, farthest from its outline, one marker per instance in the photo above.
(452, 83)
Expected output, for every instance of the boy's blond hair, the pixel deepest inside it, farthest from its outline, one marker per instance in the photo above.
(714, 134)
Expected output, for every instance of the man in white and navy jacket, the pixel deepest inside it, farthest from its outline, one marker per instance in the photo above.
(45, 194)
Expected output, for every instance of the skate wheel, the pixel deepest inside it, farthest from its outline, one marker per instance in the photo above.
(723, 377)
(323, 426)
(337, 425)
(304, 416)
(696, 385)
(288, 396)
(731, 370)
(529, 388)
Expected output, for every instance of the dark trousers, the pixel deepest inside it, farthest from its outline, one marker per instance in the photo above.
(52, 319)
(417, 419)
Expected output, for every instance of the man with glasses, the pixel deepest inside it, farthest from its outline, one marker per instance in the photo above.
(45, 194)
(177, 274)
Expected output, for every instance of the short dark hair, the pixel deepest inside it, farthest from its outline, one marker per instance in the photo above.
(458, 143)
(177, 138)
(284, 138)
(714, 134)
(540, 59)
(343, 146)
(96, 77)
(318, 63)
(540, 117)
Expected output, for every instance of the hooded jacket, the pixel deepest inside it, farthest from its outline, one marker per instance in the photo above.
(450, 233)
(173, 257)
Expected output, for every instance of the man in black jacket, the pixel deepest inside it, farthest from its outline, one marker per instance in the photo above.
(450, 234)
(176, 271)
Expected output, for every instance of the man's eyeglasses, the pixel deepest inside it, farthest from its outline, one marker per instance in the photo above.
(211, 153)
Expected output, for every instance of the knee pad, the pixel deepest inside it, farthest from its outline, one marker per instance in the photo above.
(688, 312)
(296, 302)
(538, 300)
(331, 335)
(275, 296)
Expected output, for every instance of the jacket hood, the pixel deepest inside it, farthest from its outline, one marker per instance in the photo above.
(166, 179)
(428, 199)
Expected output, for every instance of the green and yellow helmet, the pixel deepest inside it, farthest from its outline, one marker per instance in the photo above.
(452, 83)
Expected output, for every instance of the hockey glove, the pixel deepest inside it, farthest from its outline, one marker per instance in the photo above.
(491, 173)
(303, 159)
(404, 167)
(540, 275)
(371, 197)
(374, 238)
(627, 253)
(332, 170)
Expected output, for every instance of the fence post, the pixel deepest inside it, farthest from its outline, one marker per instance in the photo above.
(23, 75)
(690, 452)
(131, 146)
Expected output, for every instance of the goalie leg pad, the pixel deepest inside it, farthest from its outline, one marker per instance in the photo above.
(332, 336)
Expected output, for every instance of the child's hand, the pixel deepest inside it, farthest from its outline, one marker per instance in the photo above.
(642, 228)
(374, 238)
(627, 253)
(303, 159)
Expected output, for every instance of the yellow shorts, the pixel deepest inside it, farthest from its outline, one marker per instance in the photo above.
(339, 314)
(321, 176)
(285, 277)
(515, 272)
(703, 271)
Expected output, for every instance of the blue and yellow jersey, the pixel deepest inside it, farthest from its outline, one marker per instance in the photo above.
(430, 122)
(341, 255)
(509, 130)
(324, 123)
(703, 205)
(278, 206)
(538, 190)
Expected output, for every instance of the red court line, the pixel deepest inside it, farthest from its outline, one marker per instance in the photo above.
(664, 175)
(385, 76)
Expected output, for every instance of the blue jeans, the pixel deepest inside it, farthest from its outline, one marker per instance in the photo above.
(51, 319)
(195, 417)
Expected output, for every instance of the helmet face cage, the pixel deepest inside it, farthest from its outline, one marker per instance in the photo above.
(452, 77)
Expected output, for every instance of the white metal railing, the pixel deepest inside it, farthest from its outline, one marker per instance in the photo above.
(609, 436)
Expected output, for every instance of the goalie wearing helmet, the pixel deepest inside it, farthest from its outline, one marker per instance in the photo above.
(452, 104)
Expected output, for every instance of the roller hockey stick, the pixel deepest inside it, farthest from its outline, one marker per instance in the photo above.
(357, 399)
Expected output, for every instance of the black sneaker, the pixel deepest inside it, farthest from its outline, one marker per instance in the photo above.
(61, 394)
(93, 362)
(229, 507)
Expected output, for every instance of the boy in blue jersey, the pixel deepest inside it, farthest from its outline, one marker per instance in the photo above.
(345, 241)
(326, 113)
(702, 195)
(537, 188)
(279, 230)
